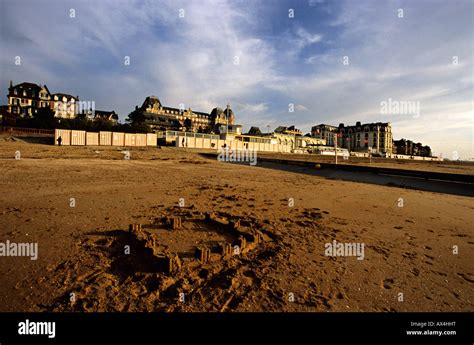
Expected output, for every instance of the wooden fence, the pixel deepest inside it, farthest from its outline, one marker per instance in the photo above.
(19, 131)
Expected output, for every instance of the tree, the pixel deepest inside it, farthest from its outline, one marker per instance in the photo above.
(140, 128)
(188, 124)
(136, 117)
(426, 151)
(44, 118)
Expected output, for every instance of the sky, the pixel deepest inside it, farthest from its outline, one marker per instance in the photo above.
(275, 62)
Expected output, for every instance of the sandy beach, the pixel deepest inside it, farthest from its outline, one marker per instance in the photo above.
(408, 264)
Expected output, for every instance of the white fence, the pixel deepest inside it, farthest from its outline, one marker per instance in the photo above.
(83, 138)
(197, 142)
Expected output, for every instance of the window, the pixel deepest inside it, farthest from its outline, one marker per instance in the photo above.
(15, 92)
(24, 93)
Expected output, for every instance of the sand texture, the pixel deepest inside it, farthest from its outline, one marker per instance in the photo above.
(82, 264)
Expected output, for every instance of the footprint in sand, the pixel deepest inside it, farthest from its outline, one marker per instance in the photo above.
(387, 283)
(439, 273)
(409, 255)
(467, 277)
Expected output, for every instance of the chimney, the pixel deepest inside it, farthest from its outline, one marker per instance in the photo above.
(11, 83)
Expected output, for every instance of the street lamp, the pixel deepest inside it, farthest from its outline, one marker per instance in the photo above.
(227, 119)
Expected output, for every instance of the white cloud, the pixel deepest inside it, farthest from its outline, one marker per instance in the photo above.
(306, 38)
(191, 60)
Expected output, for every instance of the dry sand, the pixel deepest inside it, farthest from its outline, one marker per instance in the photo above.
(408, 249)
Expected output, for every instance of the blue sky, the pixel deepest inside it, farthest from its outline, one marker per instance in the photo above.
(191, 59)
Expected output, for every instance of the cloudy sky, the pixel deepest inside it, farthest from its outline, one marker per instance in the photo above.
(276, 62)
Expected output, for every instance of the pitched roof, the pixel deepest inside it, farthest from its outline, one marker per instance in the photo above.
(26, 85)
(46, 88)
(64, 95)
(105, 114)
(31, 90)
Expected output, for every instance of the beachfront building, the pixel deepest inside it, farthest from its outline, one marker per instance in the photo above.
(229, 129)
(287, 137)
(160, 117)
(26, 99)
(105, 115)
(374, 137)
(295, 138)
(222, 121)
(325, 132)
(283, 140)
(64, 105)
